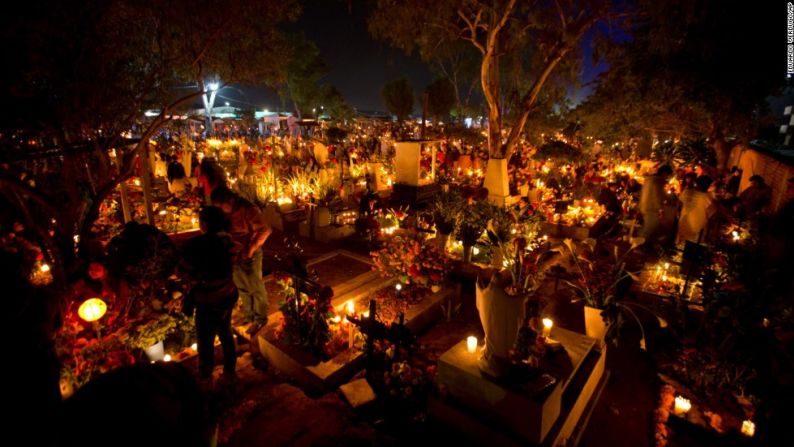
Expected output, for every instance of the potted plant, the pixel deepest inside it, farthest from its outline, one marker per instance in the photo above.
(471, 221)
(507, 303)
(500, 231)
(151, 334)
(600, 284)
(444, 210)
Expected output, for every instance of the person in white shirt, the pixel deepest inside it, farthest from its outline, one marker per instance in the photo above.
(697, 208)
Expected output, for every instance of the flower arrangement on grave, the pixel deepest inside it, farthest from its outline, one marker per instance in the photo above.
(393, 219)
(471, 222)
(404, 380)
(412, 259)
(602, 280)
(444, 211)
(522, 259)
(84, 356)
(306, 318)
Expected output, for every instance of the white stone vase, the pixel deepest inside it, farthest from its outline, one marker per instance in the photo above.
(594, 324)
(155, 352)
(502, 316)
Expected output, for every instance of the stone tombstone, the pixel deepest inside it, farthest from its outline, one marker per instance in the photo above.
(496, 181)
(501, 316)
(376, 175)
(408, 155)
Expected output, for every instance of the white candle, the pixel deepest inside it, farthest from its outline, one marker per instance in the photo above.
(548, 323)
(682, 405)
(471, 344)
(748, 428)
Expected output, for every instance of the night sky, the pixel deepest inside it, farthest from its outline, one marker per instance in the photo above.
(360, 65)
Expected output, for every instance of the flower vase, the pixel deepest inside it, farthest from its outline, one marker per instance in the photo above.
(156, 352)
(502, 317)
(594, 324)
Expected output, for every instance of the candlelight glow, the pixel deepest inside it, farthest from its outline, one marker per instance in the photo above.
(194, 346)
(471, 344)
(45, 268)
(748, 428)
(92, 309)
(548, 323)
(350, 307)
(682, 405)
(167, 358)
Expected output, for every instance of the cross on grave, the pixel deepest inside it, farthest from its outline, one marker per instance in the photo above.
(396, 333)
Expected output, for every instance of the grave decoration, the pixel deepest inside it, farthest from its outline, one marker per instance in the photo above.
(308, 318)
(412, 259)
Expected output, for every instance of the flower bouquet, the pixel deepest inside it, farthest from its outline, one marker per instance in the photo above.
(412, 259)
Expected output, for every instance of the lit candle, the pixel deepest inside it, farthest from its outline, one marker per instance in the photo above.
(44, 268)
(365, 314)
(547, 325)
(167, 358)
(194, 346)
(735, 235)
(748, 428)
(471, 344)
(682, 405)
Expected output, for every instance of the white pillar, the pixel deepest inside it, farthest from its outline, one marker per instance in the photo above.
(496, 181)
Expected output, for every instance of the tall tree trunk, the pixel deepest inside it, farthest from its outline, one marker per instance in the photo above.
(490, 86)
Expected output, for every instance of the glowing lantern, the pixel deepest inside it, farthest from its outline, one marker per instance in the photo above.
(92, 309)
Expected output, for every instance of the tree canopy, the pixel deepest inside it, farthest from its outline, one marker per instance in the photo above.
(691, 69)
(83, 72)
(303, 86)
(536, 40)
(398, 97)
(440, 98)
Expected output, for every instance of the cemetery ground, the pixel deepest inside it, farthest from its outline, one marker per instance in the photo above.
(264, 408)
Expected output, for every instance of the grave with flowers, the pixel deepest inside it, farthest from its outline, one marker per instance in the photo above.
(312, 338)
